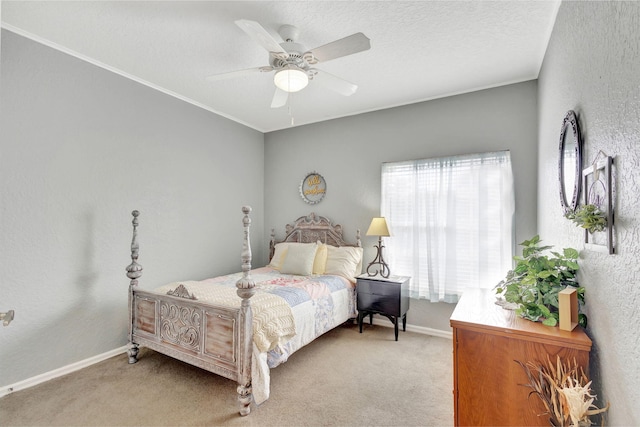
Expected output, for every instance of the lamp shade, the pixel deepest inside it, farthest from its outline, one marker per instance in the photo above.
(378, 227)
(291, 79)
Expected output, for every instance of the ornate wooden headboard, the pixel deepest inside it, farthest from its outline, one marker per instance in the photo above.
(312, 228)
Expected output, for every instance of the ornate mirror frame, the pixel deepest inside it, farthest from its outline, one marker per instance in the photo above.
(570, 162)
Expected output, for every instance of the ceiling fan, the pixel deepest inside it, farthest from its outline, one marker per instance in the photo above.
(292, 62)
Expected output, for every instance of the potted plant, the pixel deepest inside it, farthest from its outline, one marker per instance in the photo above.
(533, 285)
(589, 217)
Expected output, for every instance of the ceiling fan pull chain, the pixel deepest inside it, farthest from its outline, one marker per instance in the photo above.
(290, 107)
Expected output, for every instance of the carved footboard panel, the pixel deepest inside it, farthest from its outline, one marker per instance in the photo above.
(202, 335)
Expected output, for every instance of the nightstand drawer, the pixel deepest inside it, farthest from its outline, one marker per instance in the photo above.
(374, 287)
(379, 303)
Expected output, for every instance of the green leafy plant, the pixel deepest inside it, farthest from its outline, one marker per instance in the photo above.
(533, 285)
(589, 217)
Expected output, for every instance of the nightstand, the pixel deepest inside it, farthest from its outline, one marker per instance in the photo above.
(388, 297)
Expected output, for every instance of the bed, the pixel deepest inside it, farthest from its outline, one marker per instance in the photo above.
(241, 325)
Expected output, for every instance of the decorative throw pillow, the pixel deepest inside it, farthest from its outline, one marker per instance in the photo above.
(344, 261)
(279, 255)
(320, 262)
(299, 259)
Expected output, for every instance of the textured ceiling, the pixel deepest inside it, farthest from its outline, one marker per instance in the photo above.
(420, 50)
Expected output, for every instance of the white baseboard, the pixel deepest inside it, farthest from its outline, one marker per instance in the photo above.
(383, 321)
(38, 379)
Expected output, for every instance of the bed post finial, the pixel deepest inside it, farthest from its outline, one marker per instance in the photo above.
(246, 289)
(134, 270)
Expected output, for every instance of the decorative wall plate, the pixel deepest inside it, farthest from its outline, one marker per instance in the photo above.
(313, 188)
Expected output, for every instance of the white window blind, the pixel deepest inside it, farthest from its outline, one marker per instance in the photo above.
(451, 222)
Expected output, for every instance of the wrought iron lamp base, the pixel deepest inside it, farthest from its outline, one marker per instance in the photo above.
(383, 269)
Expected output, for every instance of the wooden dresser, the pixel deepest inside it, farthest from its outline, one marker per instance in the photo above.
(486, 380)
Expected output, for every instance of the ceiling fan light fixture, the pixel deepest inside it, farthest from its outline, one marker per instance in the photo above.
(291, 79)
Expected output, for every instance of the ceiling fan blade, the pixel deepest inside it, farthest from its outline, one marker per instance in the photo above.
(334, 83)
(239, 73)
(260, 35)
(349, 45)
(280, 98)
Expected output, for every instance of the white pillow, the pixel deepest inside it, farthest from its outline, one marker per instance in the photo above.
(344, 261)
(299, 259)
(279, 254)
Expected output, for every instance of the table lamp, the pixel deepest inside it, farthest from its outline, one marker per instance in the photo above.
(378, 228)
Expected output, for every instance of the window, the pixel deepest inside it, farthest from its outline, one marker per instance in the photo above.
(451, 222)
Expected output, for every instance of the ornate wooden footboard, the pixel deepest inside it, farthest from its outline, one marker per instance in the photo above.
(215, 338)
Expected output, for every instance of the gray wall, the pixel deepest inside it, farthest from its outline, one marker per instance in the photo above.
(348, 152)
(592, 66)
(80, 148)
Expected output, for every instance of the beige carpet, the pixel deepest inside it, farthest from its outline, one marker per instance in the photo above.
(344, 378)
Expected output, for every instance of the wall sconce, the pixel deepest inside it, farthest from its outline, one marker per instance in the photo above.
(378, 228)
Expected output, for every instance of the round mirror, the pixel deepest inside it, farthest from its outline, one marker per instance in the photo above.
(570, 163)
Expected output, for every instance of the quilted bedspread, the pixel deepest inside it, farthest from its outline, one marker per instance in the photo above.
(289, 311)
(273, 321)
